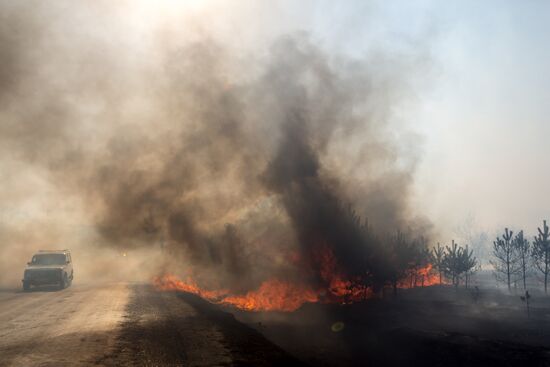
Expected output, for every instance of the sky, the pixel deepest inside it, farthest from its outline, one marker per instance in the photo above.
(480, 106)
(486, 120)
(482, 113)
(476, 105)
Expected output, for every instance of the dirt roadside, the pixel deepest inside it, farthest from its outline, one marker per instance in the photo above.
(126, 325)
(59, 328)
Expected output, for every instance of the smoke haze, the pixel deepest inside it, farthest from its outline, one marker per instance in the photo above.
(184, 151)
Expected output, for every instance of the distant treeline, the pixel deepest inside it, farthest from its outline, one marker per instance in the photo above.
(514, 259)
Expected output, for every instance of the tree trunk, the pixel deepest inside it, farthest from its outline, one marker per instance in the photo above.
(524, 266)
(546, 272)
(508, 271)
(546, 280)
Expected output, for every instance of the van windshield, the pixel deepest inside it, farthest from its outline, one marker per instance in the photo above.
(49, 259)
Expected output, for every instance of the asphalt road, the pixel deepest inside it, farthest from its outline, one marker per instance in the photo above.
(125, 325)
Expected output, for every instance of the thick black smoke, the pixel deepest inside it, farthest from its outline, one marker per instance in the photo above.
(226, 164)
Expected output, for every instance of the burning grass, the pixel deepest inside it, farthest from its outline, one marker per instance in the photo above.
(287, 296)
(272, 295)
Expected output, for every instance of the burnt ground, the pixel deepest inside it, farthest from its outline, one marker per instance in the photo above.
(181, 329)
(433, 326)
(134, 325)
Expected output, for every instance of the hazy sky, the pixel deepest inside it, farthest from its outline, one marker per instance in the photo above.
(483, 111)
(486, 119)
(480, 107)
(480, 96)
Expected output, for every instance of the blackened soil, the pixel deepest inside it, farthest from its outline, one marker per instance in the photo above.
(178, 329)
(435, 326)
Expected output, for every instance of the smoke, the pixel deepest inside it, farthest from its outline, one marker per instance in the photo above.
(191, 156)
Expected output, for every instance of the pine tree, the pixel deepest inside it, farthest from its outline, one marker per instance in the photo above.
(451, 261)
(467, 262)
(402, 253)
(506, 264)
(541, 253)
(458, 260)
(523, 250)
(437, 260)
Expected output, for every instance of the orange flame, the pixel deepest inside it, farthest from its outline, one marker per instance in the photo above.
(278, 295)
(423, 277)
(172, 283)
(272, 295)
(339, 285)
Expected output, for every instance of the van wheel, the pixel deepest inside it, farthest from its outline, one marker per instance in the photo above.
(64, 282)
(26, 286)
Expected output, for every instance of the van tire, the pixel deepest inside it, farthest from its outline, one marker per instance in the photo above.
(64, 282)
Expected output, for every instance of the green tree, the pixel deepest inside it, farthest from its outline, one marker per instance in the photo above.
(541, 253)
(437, 259)
(523, 250)
(468, 263)
(402, 252)
(506, 264)
(458, 260)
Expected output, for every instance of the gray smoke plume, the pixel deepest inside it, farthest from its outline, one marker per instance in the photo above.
(226, 165)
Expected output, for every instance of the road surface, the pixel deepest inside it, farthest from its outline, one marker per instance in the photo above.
(125, 325)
